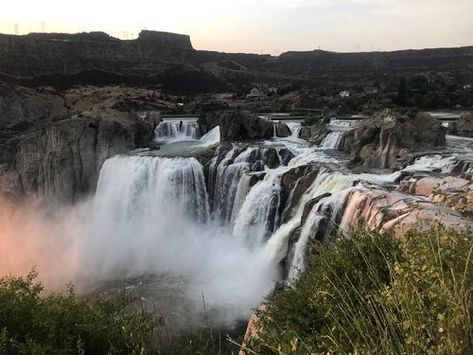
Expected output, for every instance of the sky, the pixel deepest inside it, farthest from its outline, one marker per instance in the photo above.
(258, 26)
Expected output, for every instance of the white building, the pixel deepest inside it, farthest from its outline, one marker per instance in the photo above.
(255, 94)
(344, 94)
(467, 87)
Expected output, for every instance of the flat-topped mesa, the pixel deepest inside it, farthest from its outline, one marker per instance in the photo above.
(157, 38)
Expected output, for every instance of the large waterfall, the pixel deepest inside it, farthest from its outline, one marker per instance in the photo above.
(225, 230)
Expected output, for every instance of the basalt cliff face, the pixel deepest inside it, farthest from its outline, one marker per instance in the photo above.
(170, 60)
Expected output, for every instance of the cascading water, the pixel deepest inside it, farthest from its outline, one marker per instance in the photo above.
(321, 215)
(225, 179)
(333, 140)
(174, 131)
(257, 217)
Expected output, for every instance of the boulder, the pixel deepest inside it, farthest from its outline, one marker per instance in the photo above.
(281, 130)
(236, 125)
(387, 140)
(314, 134)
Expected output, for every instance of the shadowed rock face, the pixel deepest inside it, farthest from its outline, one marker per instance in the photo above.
(386, 140)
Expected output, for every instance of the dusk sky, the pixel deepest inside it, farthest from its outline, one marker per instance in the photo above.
(269, 26)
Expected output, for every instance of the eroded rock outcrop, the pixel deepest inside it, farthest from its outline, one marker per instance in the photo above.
(386, 140)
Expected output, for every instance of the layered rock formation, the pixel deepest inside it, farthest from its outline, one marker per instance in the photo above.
(386, 140)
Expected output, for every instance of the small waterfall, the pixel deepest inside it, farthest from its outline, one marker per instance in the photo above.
(333, 140)
(173, 131)
(295, 129)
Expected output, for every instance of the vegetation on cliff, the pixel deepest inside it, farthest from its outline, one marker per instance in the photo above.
(376, 294)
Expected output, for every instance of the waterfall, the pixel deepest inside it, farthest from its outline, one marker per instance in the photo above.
(295, 129)
(129, 187)
(333, 140)
(173, 131)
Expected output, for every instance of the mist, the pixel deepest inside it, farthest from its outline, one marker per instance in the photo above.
(150, 216)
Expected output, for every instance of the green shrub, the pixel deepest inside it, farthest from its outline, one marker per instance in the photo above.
(373, 294)
(31, 323)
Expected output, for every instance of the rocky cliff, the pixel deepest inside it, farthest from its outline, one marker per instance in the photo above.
(54, 145)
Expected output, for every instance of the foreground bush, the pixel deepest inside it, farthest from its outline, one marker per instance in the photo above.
(373, 294)
(31, 323)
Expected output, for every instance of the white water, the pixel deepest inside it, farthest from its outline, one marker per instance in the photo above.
(333, 140)
(151, 215)
(175, 131)
(444, 164)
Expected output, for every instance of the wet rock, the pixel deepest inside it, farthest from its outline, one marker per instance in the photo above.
(271, 158)
(294, 184)
(387, 139)
(286, 156)
(62, 161)
(310, 205)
